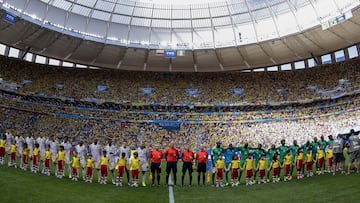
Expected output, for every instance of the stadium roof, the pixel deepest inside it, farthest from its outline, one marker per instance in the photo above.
(208, 35)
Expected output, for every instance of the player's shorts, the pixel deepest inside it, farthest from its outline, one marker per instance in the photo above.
(74, 171)
(2, 151)
(287, 168)
(320, 162)
(143, 166)
(330, 161)
(35, 160)
(209, 166)
(262, 173)
(135, 174)
(338, 157)
(171, 166)
(61, 165)
(121, 170)
(25, 159)
(103, 170)
(13, 156)
(155, 167)
(300, 165)
(187, 166)
(354, 156)
(309, 166)
(275, 171)
(47, 163)
(201, 167)
(234, 173)
(249, 173)
(219, 174)
(89, 171)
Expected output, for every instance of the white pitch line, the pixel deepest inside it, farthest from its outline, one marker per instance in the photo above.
(171, 192)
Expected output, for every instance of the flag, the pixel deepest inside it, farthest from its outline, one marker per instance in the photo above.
(159, 52)
(181, 53)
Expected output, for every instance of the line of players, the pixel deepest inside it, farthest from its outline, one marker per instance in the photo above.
(255, 162)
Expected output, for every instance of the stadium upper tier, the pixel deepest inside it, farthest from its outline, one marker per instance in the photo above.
(221, 89)
(205, 35)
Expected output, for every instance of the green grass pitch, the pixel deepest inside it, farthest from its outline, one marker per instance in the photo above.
(21, 186)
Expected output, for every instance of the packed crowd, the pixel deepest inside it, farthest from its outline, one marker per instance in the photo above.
(170, 88)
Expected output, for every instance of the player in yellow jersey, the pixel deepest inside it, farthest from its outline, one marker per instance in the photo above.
(47, 158)
(275, 167)
(329, 157)
(2, 150)
(234, 167)
(299, 163)
(75, 165)
(320, 156)
(220, 166)
(261, 167)
(134, 168)
(25, 156)
(60, 162)
(287, 165)
(13, 150)
(103, 165)
(35, 159)
(309, 163)
(89, 169)
(249, 167)
(120, 167)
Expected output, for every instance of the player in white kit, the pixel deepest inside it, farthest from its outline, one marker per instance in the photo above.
(125, 149)
(67, 147)
(81, 151)
(54, 150)
(96, 155)
(19, 144)
(41, 141)
(111, 151)
(143, 157)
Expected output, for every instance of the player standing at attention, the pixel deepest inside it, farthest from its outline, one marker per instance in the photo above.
(229, 153)
(201, 159)
(270, 154)
(134, 168)
(35, 158)
(262, 168)
(120, 166)
(282, 152)
(187, 157)
(294, 150)
(171, 156)
(244, 151)
(60, 162)
(249, 167)
(67, 147)
(13, 150)
(323, 144)
(47, 160)
(329, 157)
(354, 151)
(25, 156)
(314, 146)
(75, 165)
(217, 151)
(320, 156)
(309, 163)
(125, 149)
(2, 149)
(220, 167)
(95, 153)
(155, 157)
(234, 166)
(287, 165)
(299, 163)
(89, 169)
(103, 165)
(143, 157)
(81, 151)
